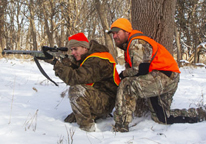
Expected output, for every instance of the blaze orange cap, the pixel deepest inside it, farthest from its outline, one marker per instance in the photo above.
(121, 23)
(78, 39)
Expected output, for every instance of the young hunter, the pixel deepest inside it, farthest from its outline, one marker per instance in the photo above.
(93, 82)
(152, 74)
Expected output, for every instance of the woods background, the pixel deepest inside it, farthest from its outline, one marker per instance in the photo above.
(30, 24)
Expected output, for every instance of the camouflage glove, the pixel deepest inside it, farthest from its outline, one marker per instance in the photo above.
(68, 62)
(51, 61)
(58, 68)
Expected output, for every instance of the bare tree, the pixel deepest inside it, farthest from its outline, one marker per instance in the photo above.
(3, 5)
(32, 23)
(190, 20)
(100, 8)
(10, 27)
(179, 55)
(61, 34)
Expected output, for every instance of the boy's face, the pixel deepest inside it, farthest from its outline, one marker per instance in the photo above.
(77, 52)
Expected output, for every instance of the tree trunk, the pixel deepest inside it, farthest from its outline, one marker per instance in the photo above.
(179, 56)
(18, 36)
(103, 19)
(48, 29)
(155, 18)
(3, 5)
(33, 27)
(62, 36)
(11, 35)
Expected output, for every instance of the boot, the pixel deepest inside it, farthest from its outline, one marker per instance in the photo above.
(89, 128)
(95, 118)
(70, 118)
(121, 127)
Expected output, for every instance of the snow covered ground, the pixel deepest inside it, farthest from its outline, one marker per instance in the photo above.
(32, 111)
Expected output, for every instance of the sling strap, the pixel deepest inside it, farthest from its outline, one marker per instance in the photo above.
(43, 72)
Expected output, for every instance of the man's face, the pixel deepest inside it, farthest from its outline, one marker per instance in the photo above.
(120, 37)
(77, 52)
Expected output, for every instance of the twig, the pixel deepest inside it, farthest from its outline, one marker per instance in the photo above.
(88, 139)
(60, 140)
(29, 123)
(59, 103)
(12, 100)
(70, 135)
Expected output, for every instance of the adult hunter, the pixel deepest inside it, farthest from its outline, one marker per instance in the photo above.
(152, 74)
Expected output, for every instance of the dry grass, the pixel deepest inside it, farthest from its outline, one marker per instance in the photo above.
(12, 100)
(70, 135)
(31, 122)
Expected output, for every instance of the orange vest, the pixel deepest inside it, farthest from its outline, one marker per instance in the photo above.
(107, 56)
(161, 59)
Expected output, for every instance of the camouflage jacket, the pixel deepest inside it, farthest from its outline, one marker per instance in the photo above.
(94, 70)
(140, 52)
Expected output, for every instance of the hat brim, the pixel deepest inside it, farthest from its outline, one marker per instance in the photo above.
(114, 29)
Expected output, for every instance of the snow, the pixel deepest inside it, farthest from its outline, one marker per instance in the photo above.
(32, 111)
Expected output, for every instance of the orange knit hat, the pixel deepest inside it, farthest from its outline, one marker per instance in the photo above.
(77, 40)
(121, 23)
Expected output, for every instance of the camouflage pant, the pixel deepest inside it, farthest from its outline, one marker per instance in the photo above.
(158, 90)
(88, 103)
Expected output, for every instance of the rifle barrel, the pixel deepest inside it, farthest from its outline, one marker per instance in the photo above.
(38, 54)
(46, 53)
(20, 52)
